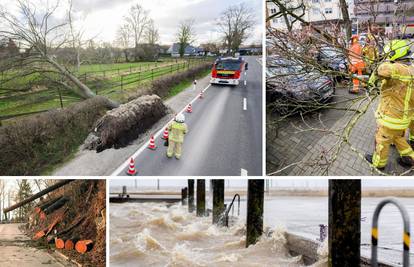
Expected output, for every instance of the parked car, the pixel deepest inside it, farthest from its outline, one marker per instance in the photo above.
(334, 59)
(291, 82)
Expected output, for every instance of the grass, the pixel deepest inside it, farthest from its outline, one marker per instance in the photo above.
(48, 98)
(185, 84)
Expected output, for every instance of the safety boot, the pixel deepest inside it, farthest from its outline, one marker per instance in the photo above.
(406, 161)
(368, 157)
(411, 142)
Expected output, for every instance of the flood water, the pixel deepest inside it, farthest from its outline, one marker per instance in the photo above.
(148, 234)
(304, 214)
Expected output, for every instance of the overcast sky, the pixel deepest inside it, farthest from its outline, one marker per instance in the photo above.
(103, 17)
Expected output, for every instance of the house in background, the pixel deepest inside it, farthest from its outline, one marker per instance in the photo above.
(190, 50)
(8, 48)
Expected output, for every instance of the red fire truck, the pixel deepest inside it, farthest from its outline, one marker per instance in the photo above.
(227, 70)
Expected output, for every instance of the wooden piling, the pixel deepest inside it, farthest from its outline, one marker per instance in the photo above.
(218, 200)
(190, 195)
(184, 196)
(344, 222)
(255, 202)
(201, 197)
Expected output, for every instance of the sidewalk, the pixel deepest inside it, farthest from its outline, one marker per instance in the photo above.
(90, 163)
(16, 252)
(308, 152)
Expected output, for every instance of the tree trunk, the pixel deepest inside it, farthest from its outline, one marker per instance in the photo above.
(85, 92)
(345, 17)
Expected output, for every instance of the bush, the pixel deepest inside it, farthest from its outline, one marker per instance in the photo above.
(31, 145)
(162, 86)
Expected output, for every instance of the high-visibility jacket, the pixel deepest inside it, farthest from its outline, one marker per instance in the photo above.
(396, 106)
(355, 53)
(370, 53)
(177, 131)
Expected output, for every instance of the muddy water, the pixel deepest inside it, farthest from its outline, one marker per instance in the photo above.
(148, 234)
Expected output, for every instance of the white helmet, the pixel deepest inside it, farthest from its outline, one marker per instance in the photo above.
(180, 118)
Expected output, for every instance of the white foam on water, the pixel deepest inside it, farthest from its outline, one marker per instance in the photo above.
(171, 236)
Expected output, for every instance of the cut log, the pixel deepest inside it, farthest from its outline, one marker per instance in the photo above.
(47, 204)
(57, 205)
(83, 246)
(59, 243)
(69, 244)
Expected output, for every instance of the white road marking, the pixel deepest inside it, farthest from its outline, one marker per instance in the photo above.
(243, 172)
(144, 146)
(244, 104)
(245, 73)
(245, 82)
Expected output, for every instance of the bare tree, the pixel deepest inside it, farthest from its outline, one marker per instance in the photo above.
(124, 39)
(43, 34)
(235, 23)
(137, 20)
(345, 17)
(297, 7)
(151, 33)
(185, 35)
(76, 37)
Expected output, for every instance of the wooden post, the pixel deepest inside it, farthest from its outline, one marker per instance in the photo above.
(152, 74)
(218, 200)
(201, 197)
(184, 196)
(255, 201)
(122, 82)
(190, 195)
(344, 222)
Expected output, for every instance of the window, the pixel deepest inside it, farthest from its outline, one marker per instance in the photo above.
(328, 10)
(315, 1)
(315, 11)
(273, 10)
(328, 1)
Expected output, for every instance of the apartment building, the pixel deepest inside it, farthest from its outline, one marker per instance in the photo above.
(318, 12)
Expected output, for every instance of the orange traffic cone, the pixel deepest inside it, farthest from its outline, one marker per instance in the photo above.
(152, 145)
(189, 108)
(165, 135)
(201, 95)
(131, 170)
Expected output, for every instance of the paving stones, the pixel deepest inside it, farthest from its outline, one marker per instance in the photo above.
(321, 147)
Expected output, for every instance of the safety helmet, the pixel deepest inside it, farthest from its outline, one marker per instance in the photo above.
(397, 49)
(180, 118)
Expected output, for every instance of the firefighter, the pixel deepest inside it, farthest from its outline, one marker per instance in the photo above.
(356, 65)
(395, 110)
(411, 134)
(370, 53)
(177, 129)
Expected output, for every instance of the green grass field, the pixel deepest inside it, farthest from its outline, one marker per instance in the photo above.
(112, 80)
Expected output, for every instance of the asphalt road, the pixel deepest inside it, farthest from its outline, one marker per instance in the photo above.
(224, 138)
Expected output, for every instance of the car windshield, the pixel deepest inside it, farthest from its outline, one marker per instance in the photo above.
(228, 65)
(330, 52)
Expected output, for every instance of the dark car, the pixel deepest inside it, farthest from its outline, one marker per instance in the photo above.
(334, 59)
(294, 84)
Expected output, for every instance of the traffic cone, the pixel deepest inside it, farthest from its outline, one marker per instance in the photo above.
(131, 170)
(165, 135)
(201, 95)
(152, 145)
(189, 108)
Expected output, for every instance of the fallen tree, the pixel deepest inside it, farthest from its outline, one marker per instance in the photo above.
(78, 227)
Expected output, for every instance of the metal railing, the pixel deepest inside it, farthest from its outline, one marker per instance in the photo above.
(231, 207)
(406, 234)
